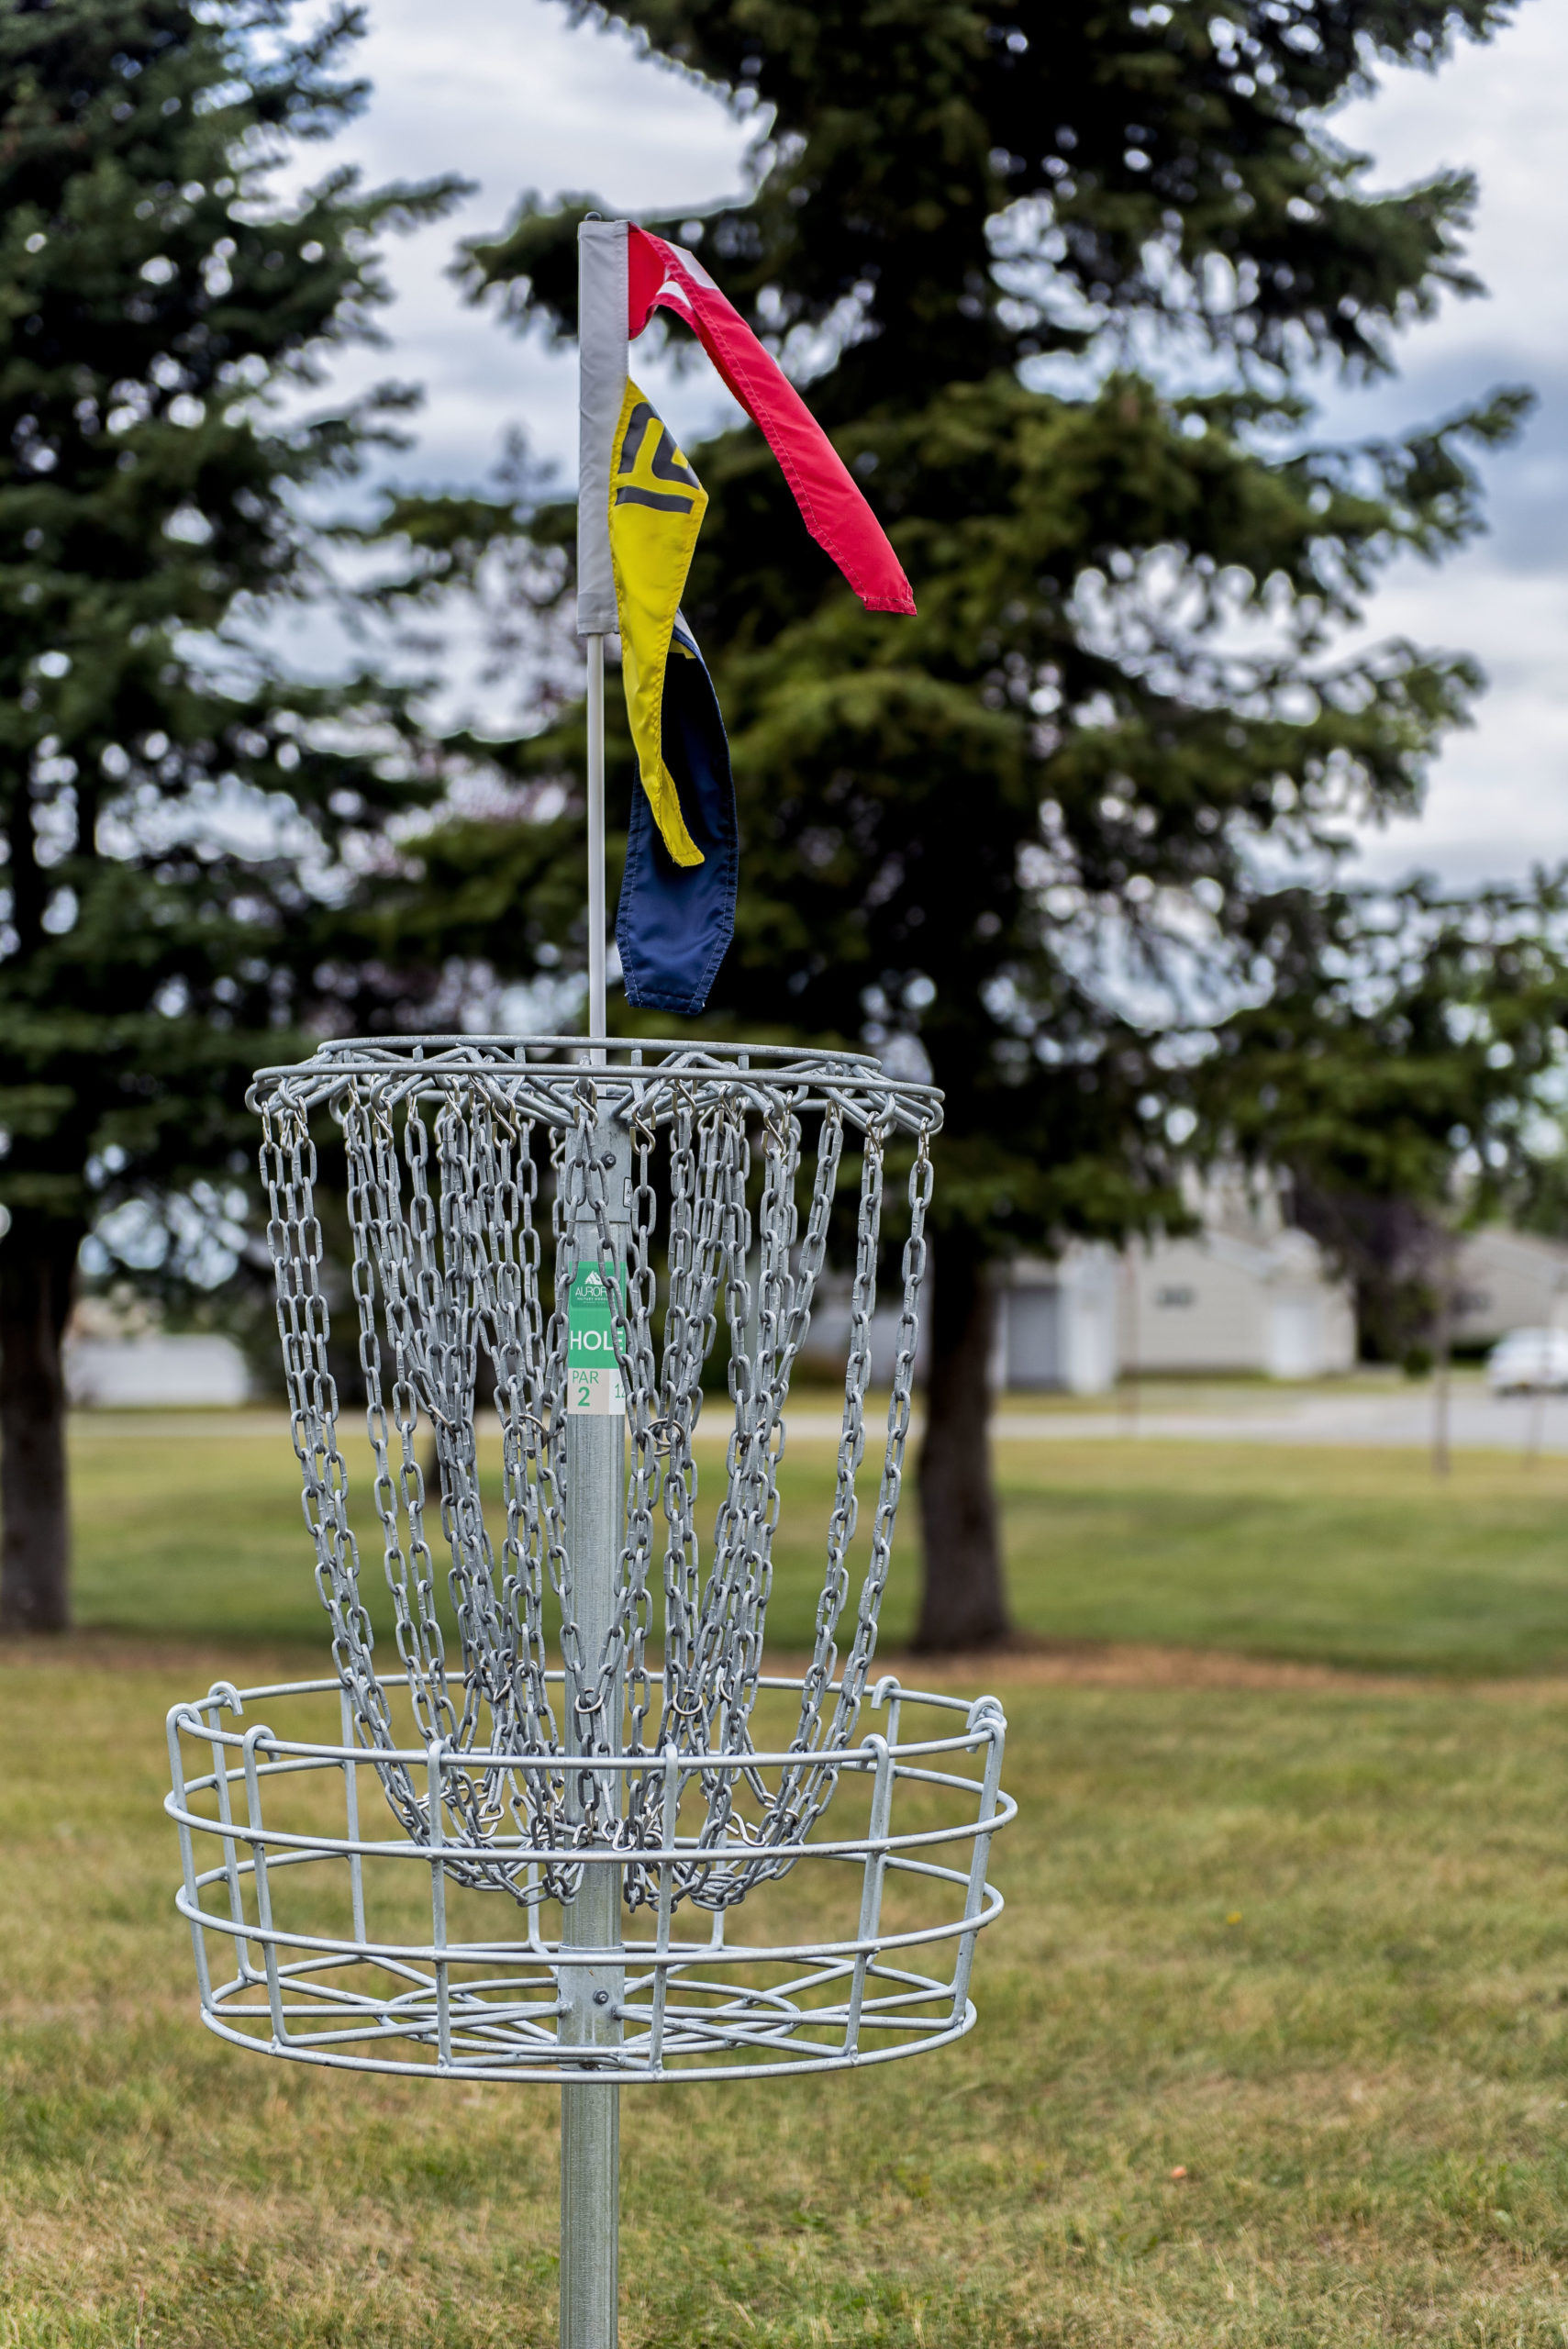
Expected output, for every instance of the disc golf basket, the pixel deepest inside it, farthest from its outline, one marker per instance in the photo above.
(474, 1863)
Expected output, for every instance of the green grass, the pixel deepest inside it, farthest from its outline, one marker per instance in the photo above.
(1273, 2040)
(1353, 1557)
(1310, 1950)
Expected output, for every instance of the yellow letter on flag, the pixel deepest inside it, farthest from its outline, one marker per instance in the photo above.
(656, 509)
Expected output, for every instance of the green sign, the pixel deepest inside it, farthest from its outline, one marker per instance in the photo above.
(593, 1382)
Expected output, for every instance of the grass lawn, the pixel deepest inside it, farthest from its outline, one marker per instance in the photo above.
(1355, 1557)
(1307, 1948)
(1274, 2037)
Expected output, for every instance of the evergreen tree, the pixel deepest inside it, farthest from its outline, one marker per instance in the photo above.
(1057, 277)
(1403, 1076)
(180, 820)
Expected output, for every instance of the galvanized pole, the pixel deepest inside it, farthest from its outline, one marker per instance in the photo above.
(591, 1994)
(597, 942)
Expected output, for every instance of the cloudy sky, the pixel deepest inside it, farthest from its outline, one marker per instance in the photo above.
(514, 95)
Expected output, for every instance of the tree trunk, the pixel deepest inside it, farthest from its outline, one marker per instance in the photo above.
(963, 1605)
(37, 1267)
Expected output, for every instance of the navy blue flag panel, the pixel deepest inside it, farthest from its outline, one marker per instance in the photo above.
(675, 922)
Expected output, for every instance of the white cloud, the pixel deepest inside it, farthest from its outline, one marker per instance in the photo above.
(1499, 793)
(513, 97)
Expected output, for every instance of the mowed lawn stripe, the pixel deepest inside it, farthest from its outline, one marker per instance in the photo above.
(1345, 1556)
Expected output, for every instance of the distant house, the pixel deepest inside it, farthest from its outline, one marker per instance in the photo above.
(1223, 1302)
(1508, 1280)
(1247, 1293)
(135, 1373)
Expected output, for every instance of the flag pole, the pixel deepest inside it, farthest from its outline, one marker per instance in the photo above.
(592, 1986)
(598, 1027)
(601, 353)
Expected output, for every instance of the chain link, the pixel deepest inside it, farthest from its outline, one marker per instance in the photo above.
(444, 1168)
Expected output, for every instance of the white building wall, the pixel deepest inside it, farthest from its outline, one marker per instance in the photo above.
(1089, 1353)
(1031, 1316)
(1057, 1323)
(108, 1374)
(1509, 1280)
(1194, 1305)
(1205, 1304)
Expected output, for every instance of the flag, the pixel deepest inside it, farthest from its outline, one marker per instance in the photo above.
(665, 276)
(639, 507)
(675, 922)
(656, 509)
(677, 902)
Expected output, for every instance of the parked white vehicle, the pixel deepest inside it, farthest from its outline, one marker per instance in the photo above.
(1530, 1362)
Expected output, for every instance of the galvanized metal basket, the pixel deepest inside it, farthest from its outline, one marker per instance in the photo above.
(484, 1864)
(339, 1946)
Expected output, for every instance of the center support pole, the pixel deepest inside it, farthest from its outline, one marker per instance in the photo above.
(597, 1007)
(592, 1993)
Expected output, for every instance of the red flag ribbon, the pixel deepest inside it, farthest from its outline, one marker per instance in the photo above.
(665, 276)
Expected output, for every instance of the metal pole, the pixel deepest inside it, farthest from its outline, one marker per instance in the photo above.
(1444, 1353)
(591, 1994)
(596, 940)
(595, 1425)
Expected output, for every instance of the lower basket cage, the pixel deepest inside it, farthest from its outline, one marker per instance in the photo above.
(318, 1940)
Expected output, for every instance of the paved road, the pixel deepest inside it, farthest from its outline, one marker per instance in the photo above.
(1477, 1422)
(1400, 1420)
(1397, 1421)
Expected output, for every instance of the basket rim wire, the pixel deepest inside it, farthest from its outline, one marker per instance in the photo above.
(501, 2026)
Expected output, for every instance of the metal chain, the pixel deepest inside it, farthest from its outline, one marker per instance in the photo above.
(443, 1185)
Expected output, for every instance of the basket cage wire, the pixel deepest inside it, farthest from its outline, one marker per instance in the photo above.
(451, 1151)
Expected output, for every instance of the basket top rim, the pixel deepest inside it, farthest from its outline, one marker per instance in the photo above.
(978, 1718)
(403, 1050)
(623, 1066)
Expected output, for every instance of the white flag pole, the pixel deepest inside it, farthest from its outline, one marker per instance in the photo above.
(602, 345)
(598, 1015)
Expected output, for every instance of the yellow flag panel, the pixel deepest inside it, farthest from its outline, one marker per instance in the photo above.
(656, 509)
